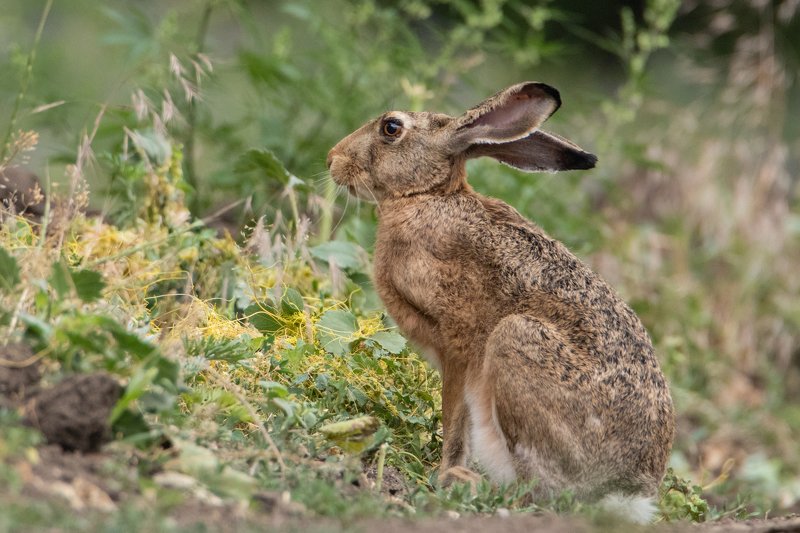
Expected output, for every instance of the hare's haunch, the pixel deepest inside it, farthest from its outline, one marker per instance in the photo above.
(547, 374)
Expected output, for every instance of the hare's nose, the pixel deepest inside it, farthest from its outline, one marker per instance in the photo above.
(329, 160)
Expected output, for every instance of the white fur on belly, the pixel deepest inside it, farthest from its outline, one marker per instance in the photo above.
(489, 446)
(432, 357)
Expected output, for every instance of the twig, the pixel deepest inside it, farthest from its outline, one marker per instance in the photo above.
(17, 310)
(219, 212)
(381, 463)
(233, 389)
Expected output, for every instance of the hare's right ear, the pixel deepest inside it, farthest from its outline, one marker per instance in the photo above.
(506, 127)
(511, 114)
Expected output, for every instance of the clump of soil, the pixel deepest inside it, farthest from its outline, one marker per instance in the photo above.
(19, 372)
(393, 482)
(74, 413)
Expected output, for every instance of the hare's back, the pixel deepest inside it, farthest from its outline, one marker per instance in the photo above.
(531, 273)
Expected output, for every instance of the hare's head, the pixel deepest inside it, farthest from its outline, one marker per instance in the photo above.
(402, 153)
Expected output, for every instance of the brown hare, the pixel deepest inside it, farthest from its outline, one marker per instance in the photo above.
(547, 374)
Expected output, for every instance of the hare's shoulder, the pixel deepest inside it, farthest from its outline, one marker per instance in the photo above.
(514, 244)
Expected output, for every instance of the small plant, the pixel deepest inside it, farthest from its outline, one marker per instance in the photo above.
(680, 500)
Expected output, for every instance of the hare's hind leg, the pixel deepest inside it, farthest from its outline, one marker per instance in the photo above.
(532, 413)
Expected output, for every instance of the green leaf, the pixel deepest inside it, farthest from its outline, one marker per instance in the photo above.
(130, 342)
(264, 318)
(294, 356)
(212, 348)
(264, 161)
(339, 321)
(286, 406)
(391, 341)
(346, 255)
(130, 423)
(168, 373)
(9, 271)
(137, 386)
(292, 301)
(88, 284)
(336, 329)
(60, 279)
(354, 435)
(274, 389)
(36, 326)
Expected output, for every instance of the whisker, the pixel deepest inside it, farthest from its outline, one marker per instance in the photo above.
(344, 210)
(324, 178)
(318, 176)
(364, 183)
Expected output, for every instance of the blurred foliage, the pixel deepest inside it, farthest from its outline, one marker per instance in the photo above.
(195, 118)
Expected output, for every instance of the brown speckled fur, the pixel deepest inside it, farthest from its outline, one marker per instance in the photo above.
(518, 326)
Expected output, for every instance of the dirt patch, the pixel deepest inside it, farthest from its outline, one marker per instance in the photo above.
(74, 413)
(20, 373)
(482, 524)
(565, 524)
(267, 511)
(199, 515)
(79, 479)
(393, 483)
(782, 524)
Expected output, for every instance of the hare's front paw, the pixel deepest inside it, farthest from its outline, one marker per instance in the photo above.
(459, 474)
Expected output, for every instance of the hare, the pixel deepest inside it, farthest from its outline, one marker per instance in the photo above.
(547, 374)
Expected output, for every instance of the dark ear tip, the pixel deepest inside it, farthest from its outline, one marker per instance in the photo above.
(579, 160)
(531, 88)
(551, 91)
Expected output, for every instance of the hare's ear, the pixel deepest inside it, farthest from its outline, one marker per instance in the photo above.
(539, 151)
(507, 116)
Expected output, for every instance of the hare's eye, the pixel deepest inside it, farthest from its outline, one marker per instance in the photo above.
(392, 128)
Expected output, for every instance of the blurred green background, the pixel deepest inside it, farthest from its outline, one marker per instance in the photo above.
(692, 108)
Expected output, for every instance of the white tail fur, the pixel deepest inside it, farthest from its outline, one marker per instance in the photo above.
(631, 507)
(488, 443)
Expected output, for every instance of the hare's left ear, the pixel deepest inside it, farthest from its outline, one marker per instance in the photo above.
(540, 151)
(511, 114)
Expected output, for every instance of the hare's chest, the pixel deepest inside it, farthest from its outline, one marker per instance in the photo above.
(413, 273)
(426, 276)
